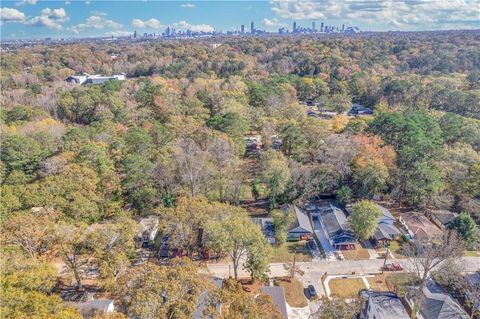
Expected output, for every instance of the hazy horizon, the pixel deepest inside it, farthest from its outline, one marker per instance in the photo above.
(37, 19)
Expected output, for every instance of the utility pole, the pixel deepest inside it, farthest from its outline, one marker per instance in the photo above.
(292, 272)
(385, 260)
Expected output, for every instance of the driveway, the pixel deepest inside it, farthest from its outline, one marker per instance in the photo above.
(322, 237)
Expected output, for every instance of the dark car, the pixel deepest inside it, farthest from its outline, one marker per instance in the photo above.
(311, 291)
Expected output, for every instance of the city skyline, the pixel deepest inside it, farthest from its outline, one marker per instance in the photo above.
(37, 19)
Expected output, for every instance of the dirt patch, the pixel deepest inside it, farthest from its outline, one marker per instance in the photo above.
(251, 287)
(378, 283)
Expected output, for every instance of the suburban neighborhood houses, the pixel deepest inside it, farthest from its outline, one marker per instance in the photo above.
(240, 159)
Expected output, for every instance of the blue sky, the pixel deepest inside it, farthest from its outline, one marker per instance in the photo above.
(79, 18)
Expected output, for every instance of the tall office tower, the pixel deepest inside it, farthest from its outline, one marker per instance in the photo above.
(242, 28)
(167, 32)
(313, 26)
(252, 28)
(321, 27)
(135, 34)
(294, 27)
(343, 27)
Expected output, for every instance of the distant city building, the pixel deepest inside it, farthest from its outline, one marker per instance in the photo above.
(294, 27)
(135, 34)
(343, 27)
(321, 27)
(313, 26)
(252, 28)
(242, 29)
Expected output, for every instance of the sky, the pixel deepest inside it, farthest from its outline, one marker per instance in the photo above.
(86, 18)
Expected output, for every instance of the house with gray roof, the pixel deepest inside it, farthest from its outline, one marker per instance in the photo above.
(442, 218)
(435, 303)
(278, 298)
(203, 298)
(335, 225)
(387, 217)
(302, 227)
(386, 231)
(382, 305)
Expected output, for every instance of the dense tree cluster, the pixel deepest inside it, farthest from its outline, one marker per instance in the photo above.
(79, 163)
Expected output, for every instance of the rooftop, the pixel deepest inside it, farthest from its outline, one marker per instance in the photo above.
(386, 213)
(420, 225)
(439, 305)
(303, 220)
(218, 282)
(387, 304)
(278, 298)
(385, 231)
(444, 216)
(334, 220)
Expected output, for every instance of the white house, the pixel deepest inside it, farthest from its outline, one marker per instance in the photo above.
(94, 79)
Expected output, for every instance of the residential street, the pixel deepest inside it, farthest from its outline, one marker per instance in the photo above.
(318, 268)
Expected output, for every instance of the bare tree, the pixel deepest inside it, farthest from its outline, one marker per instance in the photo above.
(192, 165)
(427, 258)
(337, 308)
(71, 245)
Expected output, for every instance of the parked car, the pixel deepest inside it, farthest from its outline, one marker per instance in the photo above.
(393, 267)
(311, 291)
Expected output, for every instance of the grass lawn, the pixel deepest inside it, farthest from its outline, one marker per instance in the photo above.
(346, 287)
(394, 248)
(400, 281)
(284, 253)
(359, 253)
(293, 292)
(472, 253)
(378, 283)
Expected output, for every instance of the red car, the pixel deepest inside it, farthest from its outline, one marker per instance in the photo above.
(393, 267)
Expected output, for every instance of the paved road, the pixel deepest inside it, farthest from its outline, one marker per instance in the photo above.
(313, 272)
(318, 268)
